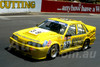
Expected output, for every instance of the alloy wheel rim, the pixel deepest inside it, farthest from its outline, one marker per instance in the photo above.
(86, 45)
(53, 52)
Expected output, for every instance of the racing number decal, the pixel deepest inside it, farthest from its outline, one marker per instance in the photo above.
(66, 44)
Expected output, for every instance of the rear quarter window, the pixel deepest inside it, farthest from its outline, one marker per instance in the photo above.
(80, 29)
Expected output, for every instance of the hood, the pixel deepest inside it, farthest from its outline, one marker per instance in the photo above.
(36, 33)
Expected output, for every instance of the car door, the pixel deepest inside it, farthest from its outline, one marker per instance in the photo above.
(78, 39)
(74, 36)
(69, 36)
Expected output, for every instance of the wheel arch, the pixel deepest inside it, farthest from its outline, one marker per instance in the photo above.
(87, 40)
(58, 46)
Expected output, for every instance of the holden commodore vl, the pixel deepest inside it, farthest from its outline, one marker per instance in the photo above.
(53, 37)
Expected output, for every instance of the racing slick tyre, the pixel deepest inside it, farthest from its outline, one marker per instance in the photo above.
(86, 45)
(53, 52)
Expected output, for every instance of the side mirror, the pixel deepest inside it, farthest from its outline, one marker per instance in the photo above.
(36, 24)
(68, 35)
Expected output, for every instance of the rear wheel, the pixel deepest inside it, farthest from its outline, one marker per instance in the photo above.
(86, 45)
(53, 52)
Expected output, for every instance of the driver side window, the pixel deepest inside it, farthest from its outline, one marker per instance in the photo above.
(71, 30)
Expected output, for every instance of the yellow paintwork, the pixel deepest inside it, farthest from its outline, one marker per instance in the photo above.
(41, 52)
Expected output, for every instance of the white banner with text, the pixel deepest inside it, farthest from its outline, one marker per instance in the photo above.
(16, 6)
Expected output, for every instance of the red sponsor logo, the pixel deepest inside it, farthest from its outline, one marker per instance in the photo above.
(49, 42)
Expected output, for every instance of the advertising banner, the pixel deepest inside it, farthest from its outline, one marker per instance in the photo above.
(57, 6)
(15, 6)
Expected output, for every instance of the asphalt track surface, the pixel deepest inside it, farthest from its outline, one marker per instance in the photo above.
(10, 24)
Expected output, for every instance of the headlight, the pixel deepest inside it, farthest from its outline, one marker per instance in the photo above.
(34, 44)
(30, 43)
(15, 37)
(38, 45)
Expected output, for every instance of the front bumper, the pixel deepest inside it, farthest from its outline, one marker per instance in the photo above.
(36, 52)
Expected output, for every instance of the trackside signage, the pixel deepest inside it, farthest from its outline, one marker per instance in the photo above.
(9, 6)
(17, 4)
(54, 6)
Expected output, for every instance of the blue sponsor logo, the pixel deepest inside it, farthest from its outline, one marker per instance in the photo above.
(45, 43)
(58, 22)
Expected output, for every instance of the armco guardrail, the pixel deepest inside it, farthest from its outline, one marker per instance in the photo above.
(56, 6)
(16, 6)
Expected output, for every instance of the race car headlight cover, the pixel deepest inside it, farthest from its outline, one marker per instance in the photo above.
(34, 44)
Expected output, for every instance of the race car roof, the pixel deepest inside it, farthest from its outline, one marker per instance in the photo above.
(66, 20)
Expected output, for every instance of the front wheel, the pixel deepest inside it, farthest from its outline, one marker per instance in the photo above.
(53, 52)
(86, 45)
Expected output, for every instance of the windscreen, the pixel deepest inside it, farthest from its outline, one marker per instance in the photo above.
(54, 26)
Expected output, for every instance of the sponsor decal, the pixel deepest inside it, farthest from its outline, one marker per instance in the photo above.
(37, 31)
(77, 41)
(67, 38)
(92, 35)
(17, 4)
(48, 43)
(45, 43)
(69, 7)
(66, 44)
(61, 37)
(58, 22)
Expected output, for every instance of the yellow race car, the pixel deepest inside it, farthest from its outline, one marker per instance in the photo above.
(52, 37)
